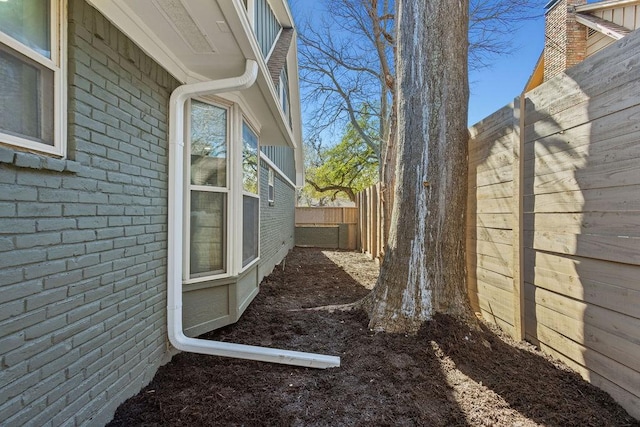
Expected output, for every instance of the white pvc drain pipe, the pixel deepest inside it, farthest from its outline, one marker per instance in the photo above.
(177, 338)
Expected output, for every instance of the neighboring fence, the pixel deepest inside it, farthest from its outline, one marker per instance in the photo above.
(554, 219)
(327, 227)
(370, 222)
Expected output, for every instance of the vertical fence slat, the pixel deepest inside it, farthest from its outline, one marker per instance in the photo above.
(518, 218)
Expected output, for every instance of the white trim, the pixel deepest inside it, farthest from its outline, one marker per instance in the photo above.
(268, 161)
(607, 4)
(271, 183)
(273, 45)
(122, 16)
(241, 120)
(594, 24)
(57, 64)
(256, 52)
(227, 269)
(175, 331)
(251, 12)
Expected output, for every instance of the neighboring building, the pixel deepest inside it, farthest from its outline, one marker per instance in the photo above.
(575, 30)
(95, 202)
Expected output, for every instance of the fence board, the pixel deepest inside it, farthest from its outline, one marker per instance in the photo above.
(624, 223)
(553, 218)
(625, 352)
(620, 299)
(625, 377)
(615, 323)
(326, 215)
(615, 274)
(619, 199)
(504, 237)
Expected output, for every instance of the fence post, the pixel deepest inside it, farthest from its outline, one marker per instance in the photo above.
(518, 216)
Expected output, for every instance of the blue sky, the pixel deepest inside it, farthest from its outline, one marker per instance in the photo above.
(493, 88)
(490, 88)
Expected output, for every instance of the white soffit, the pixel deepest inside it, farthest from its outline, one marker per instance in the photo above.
(193, 33)
(175, 12)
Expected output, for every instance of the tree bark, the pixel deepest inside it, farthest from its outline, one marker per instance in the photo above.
(423, 271)
(388, 174)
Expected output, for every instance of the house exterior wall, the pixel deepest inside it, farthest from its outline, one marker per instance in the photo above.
(277, 220)
(565, 39)
(83, 240)
(627, 16)
(284, 159)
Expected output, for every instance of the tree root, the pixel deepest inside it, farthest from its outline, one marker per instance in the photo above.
(332, 308)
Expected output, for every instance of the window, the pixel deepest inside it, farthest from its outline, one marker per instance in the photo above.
(31, 75)
(207, 189)
(222, 203)
(272, 189)
(250, 198)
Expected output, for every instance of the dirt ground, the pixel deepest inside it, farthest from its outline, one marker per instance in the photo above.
(444, 376)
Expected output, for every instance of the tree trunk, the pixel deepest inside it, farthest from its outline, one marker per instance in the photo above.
(388, 173)
(423, 271)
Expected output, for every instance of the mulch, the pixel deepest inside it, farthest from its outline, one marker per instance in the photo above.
(446, 375)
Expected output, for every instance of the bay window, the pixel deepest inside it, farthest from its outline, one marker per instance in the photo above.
(31, 75)
(222, 191)
(250, 198)
(207, 189)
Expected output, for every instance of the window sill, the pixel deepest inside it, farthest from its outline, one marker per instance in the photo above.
(34, 161)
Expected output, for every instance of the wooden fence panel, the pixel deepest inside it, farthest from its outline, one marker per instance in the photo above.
(491, 215)
(582, 233)
(553, 223)
(370, 221)
(310, 218)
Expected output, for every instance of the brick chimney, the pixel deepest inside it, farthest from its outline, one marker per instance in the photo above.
(565, 40)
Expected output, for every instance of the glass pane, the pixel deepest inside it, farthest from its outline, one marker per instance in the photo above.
(207, 233)
(271, 185)
(249, 229)
(249, 160)
(28, 22)
(208, 145)
(26, 97)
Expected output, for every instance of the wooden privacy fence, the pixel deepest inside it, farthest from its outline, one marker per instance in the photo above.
(553, 221)
(370, 222)
(327, 227)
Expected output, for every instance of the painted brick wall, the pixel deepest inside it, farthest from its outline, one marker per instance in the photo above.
(277, 222)
(83, 241)
(565, 39)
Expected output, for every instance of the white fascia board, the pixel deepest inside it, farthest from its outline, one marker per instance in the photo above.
(296, 113)
(121, 15)
(594, 24)
(607, 4)
(275, 167)
(238, 21)
(283, 13)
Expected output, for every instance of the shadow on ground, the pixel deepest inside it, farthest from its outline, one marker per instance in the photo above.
(444, 376)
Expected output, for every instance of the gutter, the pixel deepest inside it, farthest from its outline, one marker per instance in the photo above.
(177, 338)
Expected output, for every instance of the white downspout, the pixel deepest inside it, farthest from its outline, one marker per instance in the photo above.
(177, 338)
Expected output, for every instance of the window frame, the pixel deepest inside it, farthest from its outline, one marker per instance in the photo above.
(271, 187)
(238, 113)
(57, 64)
(244, 119)
(227, 190)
